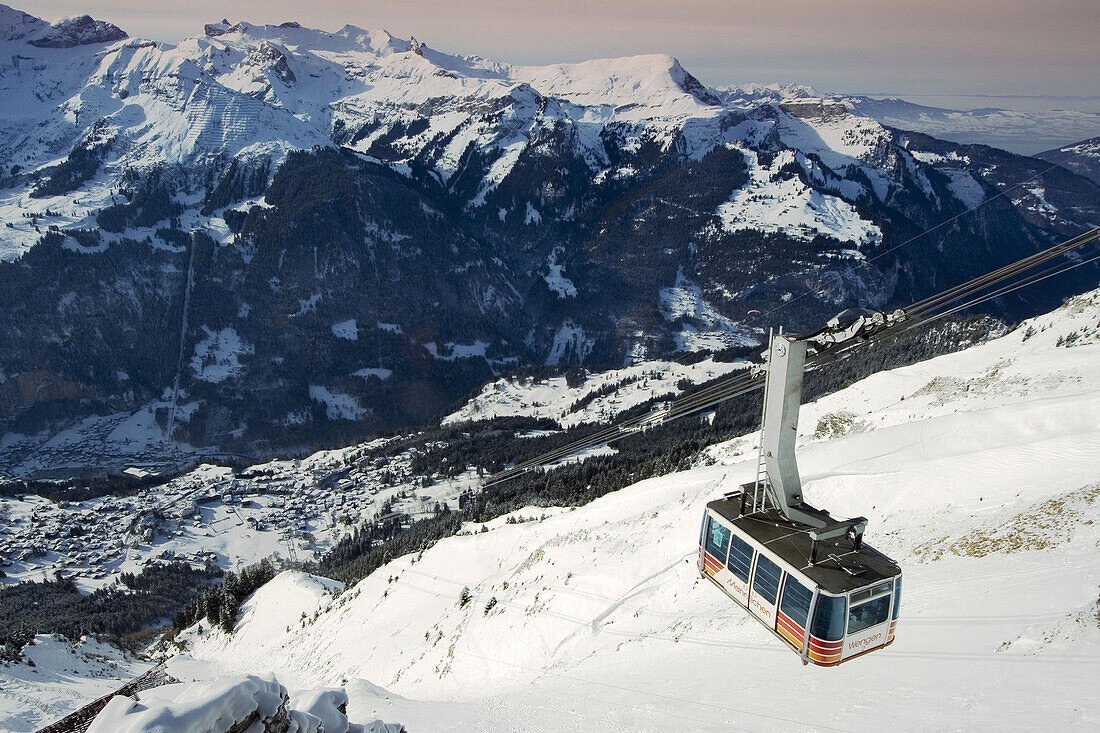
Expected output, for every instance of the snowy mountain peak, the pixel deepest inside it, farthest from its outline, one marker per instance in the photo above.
(381, 41)
(652, 79)
(752, 94)
(15, 24)
(79, 31)
(213, 30)
(691, 85)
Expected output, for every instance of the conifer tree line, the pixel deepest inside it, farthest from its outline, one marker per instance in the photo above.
(134, 602)
(221, 604)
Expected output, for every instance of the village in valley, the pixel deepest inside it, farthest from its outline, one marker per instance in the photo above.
(294, 509)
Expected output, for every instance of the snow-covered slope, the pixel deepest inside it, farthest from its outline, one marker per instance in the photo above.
(280, 605)
(978, 470)
(600, 398)
(1082, 158)
(57, 677)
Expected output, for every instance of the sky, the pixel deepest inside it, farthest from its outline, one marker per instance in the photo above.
(932, 48)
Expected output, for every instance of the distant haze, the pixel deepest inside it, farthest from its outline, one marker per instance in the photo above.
(935, 47)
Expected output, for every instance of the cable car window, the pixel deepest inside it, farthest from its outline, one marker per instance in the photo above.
(766, 581)
(718, 541)
(866, 615)
(897, 597)
(703, 528)
(740, 558)
(828, 618)
(796, 601)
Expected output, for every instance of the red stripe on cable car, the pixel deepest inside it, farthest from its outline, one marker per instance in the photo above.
(709, 560)
(794, 639)
(790, 630)
(824, 656)
(786, 622)
(827, 644)
(826, 647)
(794, 634)
(791, 626)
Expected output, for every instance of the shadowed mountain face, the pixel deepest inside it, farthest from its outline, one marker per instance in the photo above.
(1082, 158)
(268, 238)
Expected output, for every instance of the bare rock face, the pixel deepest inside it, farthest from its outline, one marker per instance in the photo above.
(213, 30)
(815, 108)
(80, 31)
(267, 56)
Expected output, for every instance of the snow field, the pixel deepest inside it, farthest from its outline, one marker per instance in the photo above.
(63, 677)
(789, 206)
(553, 398)
(986, 497)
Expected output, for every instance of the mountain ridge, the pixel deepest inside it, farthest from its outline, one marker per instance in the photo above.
(268, 210)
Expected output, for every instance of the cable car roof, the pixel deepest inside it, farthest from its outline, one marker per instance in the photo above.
(840, 569)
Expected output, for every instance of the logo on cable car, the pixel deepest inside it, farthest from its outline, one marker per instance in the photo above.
(764, 610)
(736, 588)
(857, 643)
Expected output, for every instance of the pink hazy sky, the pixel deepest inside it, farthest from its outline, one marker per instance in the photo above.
(932, 47)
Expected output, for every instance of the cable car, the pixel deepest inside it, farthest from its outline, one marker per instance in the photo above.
(805, 575)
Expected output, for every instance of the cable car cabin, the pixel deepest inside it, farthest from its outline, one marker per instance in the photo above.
(765, 563)
(804, 574)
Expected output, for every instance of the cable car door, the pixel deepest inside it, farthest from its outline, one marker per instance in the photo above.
(765, 589)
